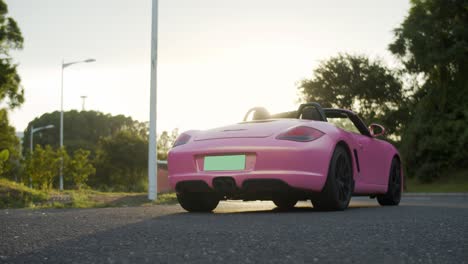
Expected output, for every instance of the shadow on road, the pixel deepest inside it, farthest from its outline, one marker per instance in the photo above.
(236, 233)
(165, 238)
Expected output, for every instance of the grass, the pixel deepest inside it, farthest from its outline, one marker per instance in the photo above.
(166, 198)
(14, 195)
(97, 199)
(457, 182)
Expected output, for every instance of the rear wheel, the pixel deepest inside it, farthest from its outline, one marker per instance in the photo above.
(198, 202)
(284, 203)
(393, 195)
(339, 185)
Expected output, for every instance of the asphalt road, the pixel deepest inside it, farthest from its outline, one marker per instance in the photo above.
(423, 229)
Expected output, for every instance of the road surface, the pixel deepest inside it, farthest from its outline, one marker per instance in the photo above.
(423, 229)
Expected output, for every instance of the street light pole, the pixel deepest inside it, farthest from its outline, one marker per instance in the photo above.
(152, 150)
(64, 65)
(83, 101)
(31, 139)
(31, 132)
(31, 145)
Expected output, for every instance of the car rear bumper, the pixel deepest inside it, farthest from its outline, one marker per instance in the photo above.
(307, 181)
(299, 165)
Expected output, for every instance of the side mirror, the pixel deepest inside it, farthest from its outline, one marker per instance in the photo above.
(376, 130)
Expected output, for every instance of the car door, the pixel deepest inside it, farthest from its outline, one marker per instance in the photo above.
(368, 150)
(371, 159)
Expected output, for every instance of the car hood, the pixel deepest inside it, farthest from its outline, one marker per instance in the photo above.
(252, 129)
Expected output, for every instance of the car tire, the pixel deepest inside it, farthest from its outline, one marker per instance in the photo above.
(393, 195)
(339, 186)
(284, 203)
(198, 202)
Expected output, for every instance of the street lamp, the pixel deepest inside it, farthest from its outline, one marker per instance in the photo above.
(64, 65)
(31, 145)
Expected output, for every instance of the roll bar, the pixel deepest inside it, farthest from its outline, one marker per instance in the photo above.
(317, 106)
(262, 113)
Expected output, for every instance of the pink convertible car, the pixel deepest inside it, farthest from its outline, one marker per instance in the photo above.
(320, 154)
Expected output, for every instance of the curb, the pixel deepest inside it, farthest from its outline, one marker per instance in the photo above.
(458, 194)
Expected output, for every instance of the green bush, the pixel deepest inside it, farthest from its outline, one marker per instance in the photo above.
(14, 195)
(435, 141)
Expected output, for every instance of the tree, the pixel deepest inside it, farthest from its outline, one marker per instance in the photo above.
(10, 39)
(11, 92)
(358, 83)
(432, 43)
(121, 162)
(79, 168)
(8, 141)
(117, 145)
(43, 166)
(4, 155)
(82, 130)
(165, 142)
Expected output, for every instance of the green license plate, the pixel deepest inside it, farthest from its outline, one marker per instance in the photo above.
(224, 163)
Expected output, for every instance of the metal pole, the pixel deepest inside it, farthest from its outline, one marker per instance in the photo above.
(61, 113)
(83, 99)
(61, 130)
(31, 132)
(152, 150)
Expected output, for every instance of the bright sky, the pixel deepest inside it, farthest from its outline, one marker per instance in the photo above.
(216, 58)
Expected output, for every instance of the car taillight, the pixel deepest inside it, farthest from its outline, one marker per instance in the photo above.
(182, 139)
(301, 133)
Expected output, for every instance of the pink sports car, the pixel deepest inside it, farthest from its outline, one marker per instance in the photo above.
(320, 154)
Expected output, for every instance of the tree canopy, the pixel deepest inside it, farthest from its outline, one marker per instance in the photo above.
(4, 155)
(82, 129)
(79, 168)
(103, 151)
(10, 38)
(121, 162)
(42, 167)
(358, 83)
(10, 143)
(432, 43)
(165, 142)
(11, 92)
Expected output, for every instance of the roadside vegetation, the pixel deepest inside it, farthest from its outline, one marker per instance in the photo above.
(456, 182)
(103, 152)
(15, 195)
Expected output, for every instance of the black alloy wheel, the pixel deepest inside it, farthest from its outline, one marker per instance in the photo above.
(393, 195)
(339, 186)
(198, 201)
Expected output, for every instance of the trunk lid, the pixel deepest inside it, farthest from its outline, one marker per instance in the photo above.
(253, 129)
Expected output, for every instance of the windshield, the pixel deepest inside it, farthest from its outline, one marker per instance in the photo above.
(343, 123)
